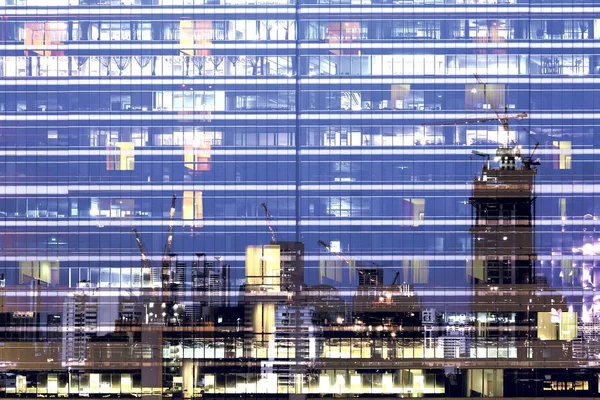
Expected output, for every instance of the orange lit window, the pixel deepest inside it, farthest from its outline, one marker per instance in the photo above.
(193, 33)
(42, 34)
(197, 158)
(193, 209)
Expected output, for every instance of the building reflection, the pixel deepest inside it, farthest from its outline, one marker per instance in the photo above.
(505, 333)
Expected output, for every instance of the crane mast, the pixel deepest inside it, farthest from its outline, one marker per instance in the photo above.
(269, 218)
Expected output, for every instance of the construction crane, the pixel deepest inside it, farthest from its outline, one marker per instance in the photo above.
(341, 257)
(337, 253)
(503, 119)
(269, 218)
(482, 154)
(169, 244)
(146, 263)
(396, 278)
(529, 161)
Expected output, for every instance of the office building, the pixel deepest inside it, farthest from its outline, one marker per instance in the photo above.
(137, 134)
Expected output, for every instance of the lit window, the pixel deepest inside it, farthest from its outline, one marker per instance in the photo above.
(193, 209)
(197, 158)
(44, 271)
(415, 208)
(121, 157)
(564, 157)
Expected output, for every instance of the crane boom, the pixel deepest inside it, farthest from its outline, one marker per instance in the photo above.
(338, 254)
(396, 278)
(503, 120)
(529, 161)
(269, 218)
(505, 116)
(145, 261)
(480, 154)
(534, 149)
(169, 244)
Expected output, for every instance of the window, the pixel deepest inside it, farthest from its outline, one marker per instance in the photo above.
(120, 157)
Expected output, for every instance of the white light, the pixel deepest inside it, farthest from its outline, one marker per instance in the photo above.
(505, 238)
(335, 246)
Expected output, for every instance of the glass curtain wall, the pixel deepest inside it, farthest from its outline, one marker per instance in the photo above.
(337, 198)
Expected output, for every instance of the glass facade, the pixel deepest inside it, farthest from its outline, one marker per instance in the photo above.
(338, 198)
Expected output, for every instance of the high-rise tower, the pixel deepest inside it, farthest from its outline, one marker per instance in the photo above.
(503, 220)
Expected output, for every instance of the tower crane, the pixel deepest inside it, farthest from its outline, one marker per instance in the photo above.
(529, 161)
(482, 154)
(169, 245)
(341, 257)
(269, 218)
(337, 253)
(396, 278)
(503, 119)
(146, 263)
